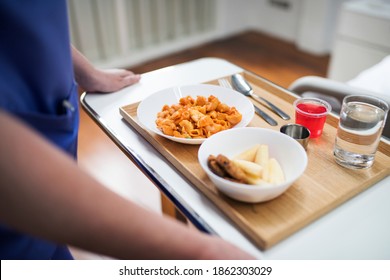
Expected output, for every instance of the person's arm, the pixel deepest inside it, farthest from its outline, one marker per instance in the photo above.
(43, 192)
(93, 79)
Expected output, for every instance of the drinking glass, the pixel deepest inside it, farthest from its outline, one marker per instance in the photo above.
(362, 119)
(311, 113)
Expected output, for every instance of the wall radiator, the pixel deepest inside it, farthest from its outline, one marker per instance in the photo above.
(123, 33)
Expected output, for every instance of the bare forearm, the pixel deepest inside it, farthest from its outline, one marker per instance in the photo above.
(43, 192)
(81, 65)
(94, 79)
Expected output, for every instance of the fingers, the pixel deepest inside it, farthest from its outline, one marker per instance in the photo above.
(124, 77)
(111, 80)
(118, 72)
(131, 79)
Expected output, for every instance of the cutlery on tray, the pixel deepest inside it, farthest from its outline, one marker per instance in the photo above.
(261, 113)
(241, 85)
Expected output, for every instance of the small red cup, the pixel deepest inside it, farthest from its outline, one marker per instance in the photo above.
(311, 113)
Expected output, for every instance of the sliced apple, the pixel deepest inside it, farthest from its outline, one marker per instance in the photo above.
(250, 168)
(248, 155)
(276, 175)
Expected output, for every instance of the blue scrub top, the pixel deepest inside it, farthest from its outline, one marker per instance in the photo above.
(37, 86)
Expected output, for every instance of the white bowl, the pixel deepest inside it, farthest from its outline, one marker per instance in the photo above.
(288, 152)
(150, 106)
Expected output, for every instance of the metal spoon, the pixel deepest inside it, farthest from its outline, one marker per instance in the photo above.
(241, 85)
(225, 83)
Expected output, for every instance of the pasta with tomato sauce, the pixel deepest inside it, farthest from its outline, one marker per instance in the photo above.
(198, 117)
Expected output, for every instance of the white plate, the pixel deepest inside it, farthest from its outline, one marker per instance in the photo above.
(150, 106)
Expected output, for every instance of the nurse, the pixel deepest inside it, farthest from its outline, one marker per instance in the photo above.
(37, 86)
(46, 201)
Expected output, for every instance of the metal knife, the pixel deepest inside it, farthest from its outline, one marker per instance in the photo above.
(241, 85)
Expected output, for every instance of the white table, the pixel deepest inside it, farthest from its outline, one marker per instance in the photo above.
(358, 229)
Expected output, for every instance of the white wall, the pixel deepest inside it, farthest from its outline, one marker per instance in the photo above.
(233, 16)
(275, 20)
(310, 24)
(317, 25)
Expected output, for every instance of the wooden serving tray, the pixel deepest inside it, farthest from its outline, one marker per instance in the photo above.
(323, 186)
